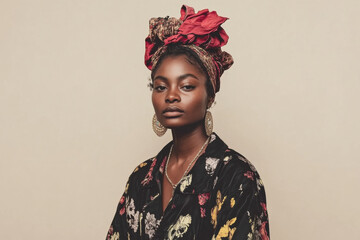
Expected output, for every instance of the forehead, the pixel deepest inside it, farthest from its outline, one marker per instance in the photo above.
(174, 66)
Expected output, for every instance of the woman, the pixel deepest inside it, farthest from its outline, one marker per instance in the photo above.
(196, 187)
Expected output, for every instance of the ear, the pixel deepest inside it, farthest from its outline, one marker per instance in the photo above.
(210, 102)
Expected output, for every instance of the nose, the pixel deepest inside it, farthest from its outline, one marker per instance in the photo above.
(172, 96)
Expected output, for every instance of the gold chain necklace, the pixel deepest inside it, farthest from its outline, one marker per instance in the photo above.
(187, 169)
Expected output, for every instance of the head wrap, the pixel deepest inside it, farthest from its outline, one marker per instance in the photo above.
(201, 32)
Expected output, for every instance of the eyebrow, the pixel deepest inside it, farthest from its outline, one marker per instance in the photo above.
(182, 77)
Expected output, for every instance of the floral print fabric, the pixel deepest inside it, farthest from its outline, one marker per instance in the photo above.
(222, 197)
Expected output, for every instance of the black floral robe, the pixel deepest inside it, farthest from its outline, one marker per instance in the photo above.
(222, 197)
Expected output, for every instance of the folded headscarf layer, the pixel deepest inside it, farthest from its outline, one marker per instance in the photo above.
(201, 32)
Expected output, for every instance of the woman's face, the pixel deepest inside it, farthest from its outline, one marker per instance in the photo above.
(179, 95)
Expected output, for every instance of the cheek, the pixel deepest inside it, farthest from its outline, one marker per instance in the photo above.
(157, 102)
(154, 101)
(198, 103)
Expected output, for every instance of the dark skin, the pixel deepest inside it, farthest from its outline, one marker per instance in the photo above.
(180, 85)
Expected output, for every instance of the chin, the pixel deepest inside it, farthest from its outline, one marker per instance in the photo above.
(173, 123)
(179, 123)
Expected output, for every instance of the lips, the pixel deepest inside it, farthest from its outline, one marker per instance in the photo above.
(172, 111)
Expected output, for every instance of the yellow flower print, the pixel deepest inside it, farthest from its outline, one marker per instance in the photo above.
(226, 230)
(140, 166)
(232, 202)
(178, 229)
(126, 187)
(217, 208)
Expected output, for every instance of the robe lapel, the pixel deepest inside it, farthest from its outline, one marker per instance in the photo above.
(201, 177)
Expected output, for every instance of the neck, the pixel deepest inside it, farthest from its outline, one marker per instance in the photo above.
(188, 141)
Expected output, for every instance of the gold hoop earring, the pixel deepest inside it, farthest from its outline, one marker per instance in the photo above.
(158, 128)
(209, 124)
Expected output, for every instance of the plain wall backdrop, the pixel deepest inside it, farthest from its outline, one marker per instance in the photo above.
(75, 111)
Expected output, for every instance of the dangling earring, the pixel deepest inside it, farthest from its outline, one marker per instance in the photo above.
(158, 128)
(209, 124)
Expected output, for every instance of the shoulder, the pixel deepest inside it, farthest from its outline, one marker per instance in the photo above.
(141, 170)
(145, 172)
(142, 167)
(238, 173)
(233, 159)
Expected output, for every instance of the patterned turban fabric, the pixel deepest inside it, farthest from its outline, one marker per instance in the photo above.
(201, 32)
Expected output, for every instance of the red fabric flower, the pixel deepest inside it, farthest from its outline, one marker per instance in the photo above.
(202, 29)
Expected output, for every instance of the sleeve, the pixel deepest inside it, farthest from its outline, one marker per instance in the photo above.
(240, 210)
(119, 226)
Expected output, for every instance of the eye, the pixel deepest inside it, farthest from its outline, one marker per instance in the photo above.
(159, 88)
(188, 87)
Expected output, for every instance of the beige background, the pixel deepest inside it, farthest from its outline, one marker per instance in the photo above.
(76, 111)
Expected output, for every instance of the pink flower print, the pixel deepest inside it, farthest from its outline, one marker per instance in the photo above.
(161, 169)
(249, 175)
(202, 212)
(122, 199)
(203, 198)
(263, 205)
(149, 176)
(263, 233)
(122, 211)
(110, 232)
